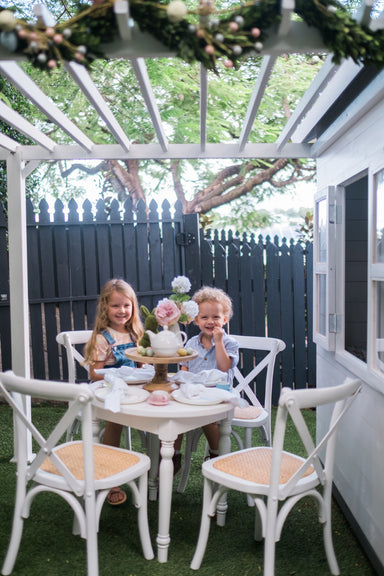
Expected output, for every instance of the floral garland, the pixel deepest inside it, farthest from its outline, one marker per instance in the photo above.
(203, 35)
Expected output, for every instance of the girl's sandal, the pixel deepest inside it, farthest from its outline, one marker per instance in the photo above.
(116, 496)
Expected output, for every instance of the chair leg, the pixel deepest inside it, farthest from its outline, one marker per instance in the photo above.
(127, 437)
(143, 438)
(17, 528)
(73, 430)
(14, 544)
(91, 524)
(248, 444)
(326, 519)
(153, 451)
(191, 441)
(238, 439)
(270, 538)
(329, 550)
(204, 527)
(142, 519)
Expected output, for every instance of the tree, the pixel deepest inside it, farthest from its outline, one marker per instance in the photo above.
(201, 186)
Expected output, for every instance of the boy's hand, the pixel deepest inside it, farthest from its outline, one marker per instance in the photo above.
(217, 334)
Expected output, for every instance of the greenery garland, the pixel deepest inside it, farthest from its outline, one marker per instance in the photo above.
(203, 35)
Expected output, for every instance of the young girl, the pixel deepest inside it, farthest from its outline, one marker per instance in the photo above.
(117, 327)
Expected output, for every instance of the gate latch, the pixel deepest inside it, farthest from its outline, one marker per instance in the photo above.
(183, 239)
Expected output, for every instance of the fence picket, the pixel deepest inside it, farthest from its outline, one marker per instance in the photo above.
(299, 320)
(287, 314)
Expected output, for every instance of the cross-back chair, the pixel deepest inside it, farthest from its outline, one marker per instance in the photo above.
(71, 340)
(275, 479)
(81, 472)
(255, 371)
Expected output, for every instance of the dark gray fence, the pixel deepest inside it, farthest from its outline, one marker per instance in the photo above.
(71, 257)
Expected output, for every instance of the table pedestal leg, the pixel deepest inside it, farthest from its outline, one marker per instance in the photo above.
(165, 496)
(224, 448)
(160, 381)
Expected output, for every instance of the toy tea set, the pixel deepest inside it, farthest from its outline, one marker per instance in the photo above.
(166, 347)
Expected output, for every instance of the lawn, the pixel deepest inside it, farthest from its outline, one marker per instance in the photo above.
(48, 546)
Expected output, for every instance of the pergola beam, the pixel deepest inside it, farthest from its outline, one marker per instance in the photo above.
(203, 106)
(266, 68)
(325, 74)
(86, 84)
(286, 10)
(17, 121)
(26, 85)
(155, 152)
(8, 143)
(142, 77)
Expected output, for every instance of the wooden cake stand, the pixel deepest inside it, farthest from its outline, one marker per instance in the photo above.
(160, 381)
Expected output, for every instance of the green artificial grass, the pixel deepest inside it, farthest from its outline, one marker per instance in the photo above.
(48, 546)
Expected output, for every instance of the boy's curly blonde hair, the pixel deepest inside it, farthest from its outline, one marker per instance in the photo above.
(210, 294)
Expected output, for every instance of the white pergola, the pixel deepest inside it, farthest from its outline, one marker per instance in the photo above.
(296, 140)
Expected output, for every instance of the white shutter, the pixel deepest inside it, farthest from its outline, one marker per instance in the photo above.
(325, 322)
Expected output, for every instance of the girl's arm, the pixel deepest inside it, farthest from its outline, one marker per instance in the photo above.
(92, 373)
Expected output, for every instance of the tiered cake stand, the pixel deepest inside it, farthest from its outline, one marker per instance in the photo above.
(160, 381)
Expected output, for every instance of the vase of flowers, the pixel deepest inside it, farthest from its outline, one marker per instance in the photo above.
(169, 312)
(178, 308)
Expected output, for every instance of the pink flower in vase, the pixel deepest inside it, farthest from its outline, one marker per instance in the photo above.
(167, 312)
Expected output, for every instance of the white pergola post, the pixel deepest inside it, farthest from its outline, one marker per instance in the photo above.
(18, 272)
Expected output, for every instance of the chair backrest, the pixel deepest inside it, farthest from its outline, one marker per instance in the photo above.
(69, 340)
(271, 347)
(319, 456)
(14, 388)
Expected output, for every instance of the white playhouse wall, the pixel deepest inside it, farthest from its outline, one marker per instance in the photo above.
(359, 469)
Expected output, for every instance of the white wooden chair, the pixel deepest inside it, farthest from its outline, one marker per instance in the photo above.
(253, 414)
(81, 472)
(260, 414)
(69, 340)
(275, 479)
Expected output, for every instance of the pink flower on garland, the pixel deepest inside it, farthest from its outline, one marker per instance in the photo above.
(167, 312)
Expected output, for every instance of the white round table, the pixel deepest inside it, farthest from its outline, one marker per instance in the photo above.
(167, 422)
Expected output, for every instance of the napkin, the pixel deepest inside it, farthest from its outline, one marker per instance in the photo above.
(129, 373)
(209, 377)
(247, 411)
(118, 389)
(191, 390)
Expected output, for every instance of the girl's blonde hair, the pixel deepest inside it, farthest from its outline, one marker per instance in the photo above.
(210, 294)
(134, 325)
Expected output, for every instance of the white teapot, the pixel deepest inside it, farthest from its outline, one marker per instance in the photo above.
(166, 343)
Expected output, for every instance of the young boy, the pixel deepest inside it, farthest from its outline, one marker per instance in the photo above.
(215, 348)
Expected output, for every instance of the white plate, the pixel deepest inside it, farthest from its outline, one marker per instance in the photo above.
(139, 395)
(134, 382)
(196, 400)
